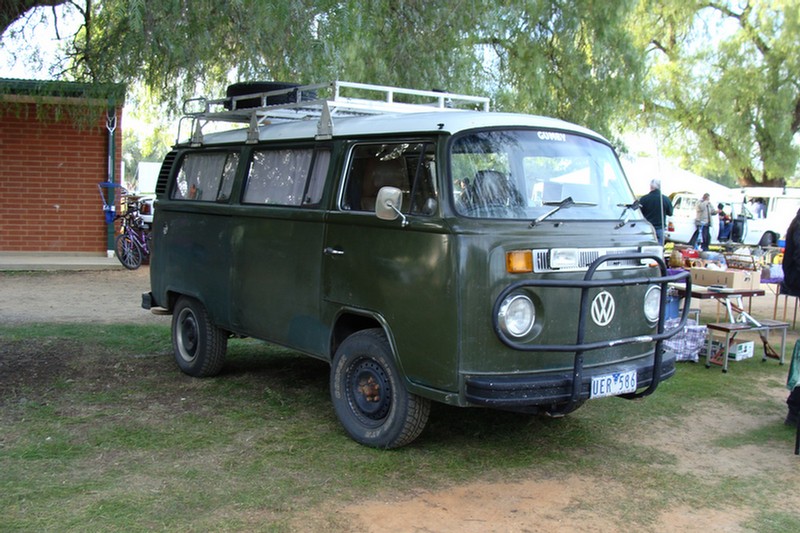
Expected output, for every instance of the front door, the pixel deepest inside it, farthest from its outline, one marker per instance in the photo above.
(400, 274)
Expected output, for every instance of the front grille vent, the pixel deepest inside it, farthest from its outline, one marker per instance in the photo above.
(586, 256)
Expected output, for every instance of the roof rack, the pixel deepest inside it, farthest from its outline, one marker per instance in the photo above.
(321, 101)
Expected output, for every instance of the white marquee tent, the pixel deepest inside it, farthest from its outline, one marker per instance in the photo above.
(673, 179)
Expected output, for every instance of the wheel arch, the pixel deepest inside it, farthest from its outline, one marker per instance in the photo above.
(768, 238)
(350, 321)
(173, 295)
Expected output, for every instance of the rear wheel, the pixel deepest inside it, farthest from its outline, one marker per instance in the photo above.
(368, 394)
(128, 252)
(768, 239)
(199, 346)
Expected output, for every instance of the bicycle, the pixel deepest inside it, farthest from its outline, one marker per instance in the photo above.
(132, 245)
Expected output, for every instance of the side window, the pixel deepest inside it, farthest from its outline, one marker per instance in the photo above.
(409, 166)
(207, 177)
(292, 177)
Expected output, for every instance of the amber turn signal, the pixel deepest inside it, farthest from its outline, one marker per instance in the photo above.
(519, 261)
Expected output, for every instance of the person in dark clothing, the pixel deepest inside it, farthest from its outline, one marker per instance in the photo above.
(791, 256)
(725, 224)
(655, 207)
(793, 401)
(791, 285)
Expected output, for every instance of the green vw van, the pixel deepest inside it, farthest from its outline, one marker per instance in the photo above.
(427, 248)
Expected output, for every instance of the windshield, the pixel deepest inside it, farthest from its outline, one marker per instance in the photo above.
(524, 174)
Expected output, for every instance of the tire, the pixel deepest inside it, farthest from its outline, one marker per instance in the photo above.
(368, 394)
(241, 89)
(768, 239)
(198, 345)
(128, 252)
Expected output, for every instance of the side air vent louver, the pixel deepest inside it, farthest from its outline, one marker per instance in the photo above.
(163, 174)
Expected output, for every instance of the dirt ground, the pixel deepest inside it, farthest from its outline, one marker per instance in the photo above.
(91, 296)
(536, 504)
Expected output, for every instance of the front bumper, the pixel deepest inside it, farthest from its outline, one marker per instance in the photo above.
(553, 389)
(650, 372)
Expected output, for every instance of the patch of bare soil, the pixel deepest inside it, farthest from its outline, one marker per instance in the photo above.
(590, 504)
(543, 506)
(102, 296)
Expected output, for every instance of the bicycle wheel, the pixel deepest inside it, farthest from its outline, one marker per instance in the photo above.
(128, 252)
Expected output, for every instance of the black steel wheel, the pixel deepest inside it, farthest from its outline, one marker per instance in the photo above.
(128, 251)
(369, 396)
(198, 345)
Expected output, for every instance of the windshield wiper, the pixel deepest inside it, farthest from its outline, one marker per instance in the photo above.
(625, 213)
(566, 202)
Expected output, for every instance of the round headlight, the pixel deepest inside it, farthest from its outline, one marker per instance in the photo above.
(517, 315)
(652, 304)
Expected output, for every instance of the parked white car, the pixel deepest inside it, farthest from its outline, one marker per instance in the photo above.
(147, 208)
(746, 228)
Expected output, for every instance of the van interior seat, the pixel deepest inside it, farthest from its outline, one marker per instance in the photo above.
(493, 188)
(378, 174)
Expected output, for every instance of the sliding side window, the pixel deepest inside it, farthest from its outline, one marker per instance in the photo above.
(287, 177)
(206, 177)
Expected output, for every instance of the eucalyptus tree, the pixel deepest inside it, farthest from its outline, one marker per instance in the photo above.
(724, 84)
(573, 59)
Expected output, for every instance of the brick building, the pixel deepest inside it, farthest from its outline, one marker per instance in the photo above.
(56, 142)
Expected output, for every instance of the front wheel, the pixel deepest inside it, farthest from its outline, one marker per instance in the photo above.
(368, 394)
(128, 251)
(199, 346)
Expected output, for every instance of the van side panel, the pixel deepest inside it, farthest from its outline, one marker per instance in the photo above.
(275, 276)
(192, 256)
(404, 276)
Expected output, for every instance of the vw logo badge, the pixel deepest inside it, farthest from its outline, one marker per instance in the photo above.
(603, 308)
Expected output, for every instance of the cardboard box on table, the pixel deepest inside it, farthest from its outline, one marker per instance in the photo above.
(732, 279)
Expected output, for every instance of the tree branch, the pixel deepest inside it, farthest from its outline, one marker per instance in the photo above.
(796, 118)
(11, 10)
(748, 28)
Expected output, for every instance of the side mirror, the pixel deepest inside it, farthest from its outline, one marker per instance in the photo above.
(388, 203)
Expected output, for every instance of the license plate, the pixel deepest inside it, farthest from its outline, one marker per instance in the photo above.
(613, 384)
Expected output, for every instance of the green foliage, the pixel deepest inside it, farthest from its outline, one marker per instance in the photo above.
(573, 59)
(717, 80)
(726, 74)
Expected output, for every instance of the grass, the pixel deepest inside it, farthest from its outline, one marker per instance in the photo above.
(101, 432)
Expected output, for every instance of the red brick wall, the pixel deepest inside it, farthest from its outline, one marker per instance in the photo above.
(49, 170)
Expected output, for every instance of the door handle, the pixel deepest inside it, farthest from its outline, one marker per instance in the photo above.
(333, 251)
